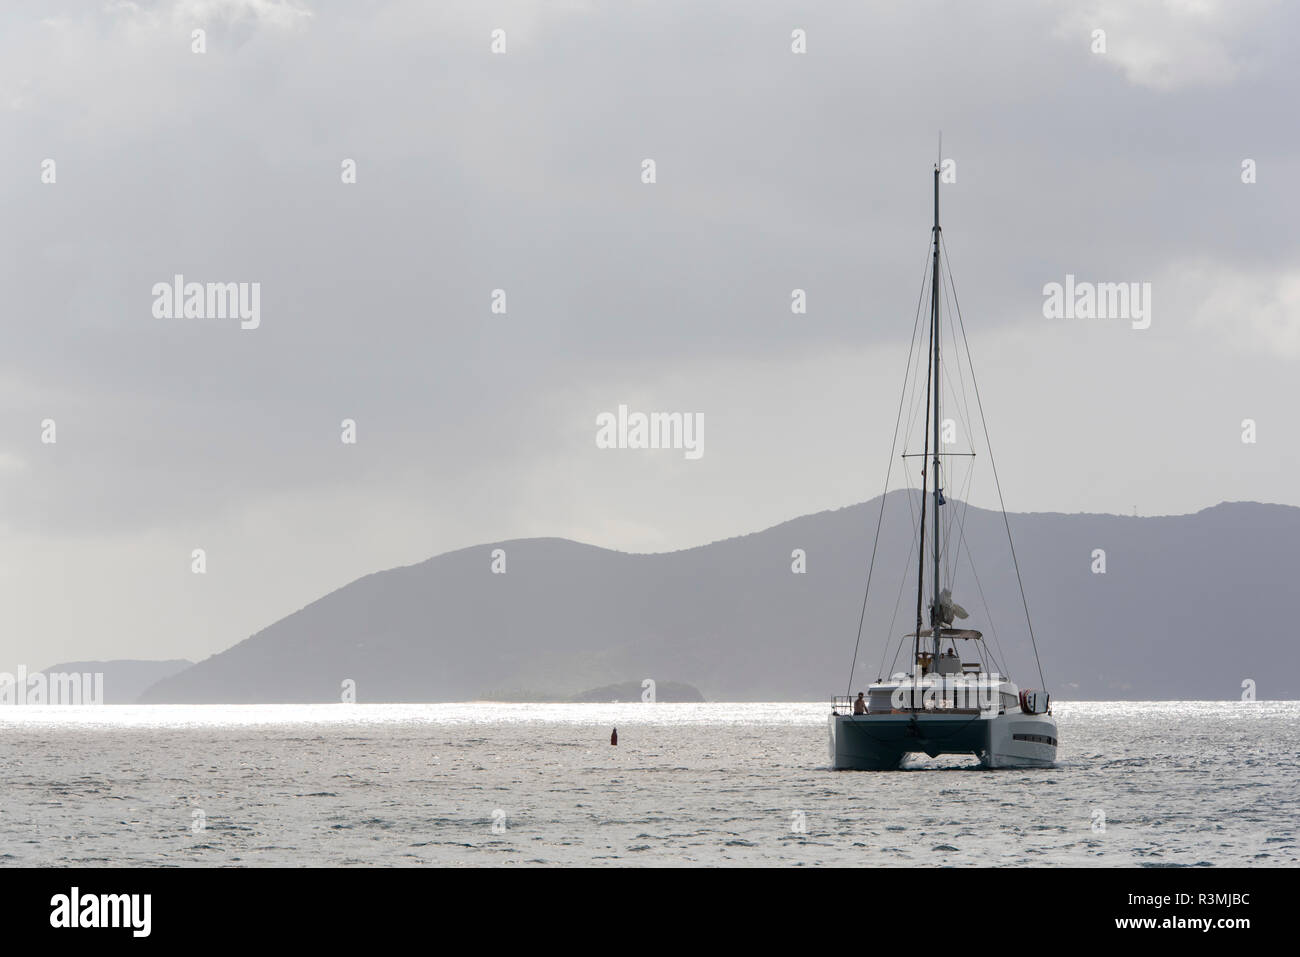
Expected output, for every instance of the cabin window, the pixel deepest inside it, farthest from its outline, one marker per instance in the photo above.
(1036, 738)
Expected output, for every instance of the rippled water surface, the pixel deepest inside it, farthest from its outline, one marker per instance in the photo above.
(1147, 783)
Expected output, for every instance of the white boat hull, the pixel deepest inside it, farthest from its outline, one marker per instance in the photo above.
(883, 742)
(1021, 741)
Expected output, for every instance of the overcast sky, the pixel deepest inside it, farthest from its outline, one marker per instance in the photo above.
(523, 172)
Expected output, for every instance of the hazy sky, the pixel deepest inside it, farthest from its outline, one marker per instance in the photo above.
(523, 171)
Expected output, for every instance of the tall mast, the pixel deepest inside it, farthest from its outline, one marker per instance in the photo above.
(934, 335)
(931, 473)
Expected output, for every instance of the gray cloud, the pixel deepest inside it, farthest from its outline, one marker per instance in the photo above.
(521, 172)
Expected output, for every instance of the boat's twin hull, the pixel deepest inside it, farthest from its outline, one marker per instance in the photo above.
(881, 742)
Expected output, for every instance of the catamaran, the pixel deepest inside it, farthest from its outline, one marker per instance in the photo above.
(950, 701)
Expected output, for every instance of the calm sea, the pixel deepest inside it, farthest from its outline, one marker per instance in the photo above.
(1139, 783)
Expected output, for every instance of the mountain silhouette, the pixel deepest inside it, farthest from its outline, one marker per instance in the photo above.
(1189, 606)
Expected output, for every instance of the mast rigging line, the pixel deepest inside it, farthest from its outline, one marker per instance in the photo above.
(898, 599)
(966, 419)
(884, 495)
(925, 471)
(992, 462)
(1001, 658)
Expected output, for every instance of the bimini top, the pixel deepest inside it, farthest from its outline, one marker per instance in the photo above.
(968, 633)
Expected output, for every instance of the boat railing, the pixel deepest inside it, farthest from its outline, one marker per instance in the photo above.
(949, 703)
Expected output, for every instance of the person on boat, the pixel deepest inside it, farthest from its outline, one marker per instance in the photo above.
(860, 705)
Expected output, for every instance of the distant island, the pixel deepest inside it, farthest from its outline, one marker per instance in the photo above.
(664, 691)
(124, 678)
(1183, 606)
